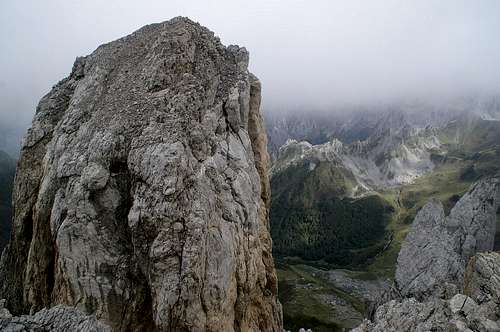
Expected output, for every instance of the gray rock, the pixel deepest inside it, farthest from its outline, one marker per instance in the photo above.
(482, 278)
(4, 312)
(462, 303)
(434, 254)
(472, 221)
(57, 319)
(94, 177)
(141, 193)
(431, 267)
(409, 315)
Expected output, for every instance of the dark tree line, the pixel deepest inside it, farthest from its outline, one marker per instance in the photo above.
(317, 223)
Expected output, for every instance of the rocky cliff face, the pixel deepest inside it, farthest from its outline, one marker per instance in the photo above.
(446, 280)
(473, 308)
(389, 145)
(141, 193)
(438, 248)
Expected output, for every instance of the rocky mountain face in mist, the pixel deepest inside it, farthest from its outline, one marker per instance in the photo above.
(446, 278)
(399, 148)
(395, 152)
(7, 170)
(351, 124)
(388, 158)
(141, 193)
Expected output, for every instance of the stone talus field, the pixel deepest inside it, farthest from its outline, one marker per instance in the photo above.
(141, 192)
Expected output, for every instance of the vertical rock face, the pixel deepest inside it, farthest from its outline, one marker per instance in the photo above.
(431, 270)
(142, 193)
(434, 255)
(475, 310)
(482, 279)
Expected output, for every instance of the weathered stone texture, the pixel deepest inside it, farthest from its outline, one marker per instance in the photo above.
(434, 291)
(57, 319)
(482, 278)
(459, 314)
(433, 256)
(142, 193)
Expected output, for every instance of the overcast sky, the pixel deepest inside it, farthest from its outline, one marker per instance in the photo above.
(308, 54)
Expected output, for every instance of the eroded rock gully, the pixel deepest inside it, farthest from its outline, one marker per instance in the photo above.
(141, 193)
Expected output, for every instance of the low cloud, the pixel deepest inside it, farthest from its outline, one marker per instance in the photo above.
(309, 55)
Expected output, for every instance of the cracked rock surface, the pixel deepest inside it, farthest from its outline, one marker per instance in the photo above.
(482, 279)
(435, 253)
(435, 288)
(477, 308)
(141, 193)
(56, 319)
(460, 314)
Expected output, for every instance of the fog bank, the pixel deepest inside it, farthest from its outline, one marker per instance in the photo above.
(309, 55)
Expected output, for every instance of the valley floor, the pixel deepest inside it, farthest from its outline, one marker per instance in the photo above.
(323, 299)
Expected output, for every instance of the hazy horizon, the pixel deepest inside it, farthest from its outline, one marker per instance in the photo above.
(313, 56)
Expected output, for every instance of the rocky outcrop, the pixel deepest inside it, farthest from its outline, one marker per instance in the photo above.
(7, 171)
(141, 194)
(459, 314)
(57, 319)
(434, 255)
(482, 279)
(434, 290)
(474, 306)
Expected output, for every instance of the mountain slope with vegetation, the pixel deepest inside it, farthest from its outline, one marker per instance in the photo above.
(318, 207)
(312, 209)
(312, 217)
